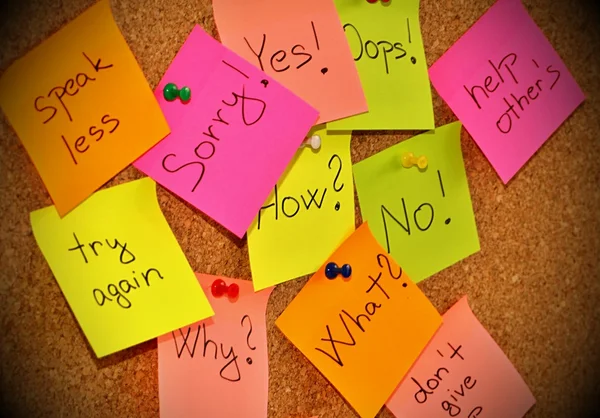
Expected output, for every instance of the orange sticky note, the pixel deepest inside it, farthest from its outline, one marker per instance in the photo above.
(218, 367)
(365, 332)
(462, 373)
(81, 106)
(299, 43)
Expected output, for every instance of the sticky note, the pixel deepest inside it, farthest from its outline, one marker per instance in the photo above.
(386, 43)
(362, 333)
(423, 218)
(307, 216)
(81, 106)
(508, 86)
(299, 43)
(462, 373)
(218, 367)
(120, 267)
(233, 139)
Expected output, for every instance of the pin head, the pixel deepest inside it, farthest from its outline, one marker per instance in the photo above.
(409, 160)
(332, 270)
(218, 288)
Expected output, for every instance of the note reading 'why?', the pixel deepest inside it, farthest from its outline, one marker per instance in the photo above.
(385, 39)
(423, 218)
(81, 106)
(120, 268)
(299, 43)
(507, 85)
(363, 333)
(462, 373)
(218, 367)
(307, 216)
(230, 143)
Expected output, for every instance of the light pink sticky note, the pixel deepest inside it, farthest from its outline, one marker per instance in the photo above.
(507, 85)
(231, 142)
(218, 367)
(462, 373)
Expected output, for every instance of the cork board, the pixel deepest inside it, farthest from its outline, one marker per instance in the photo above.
(534, 284)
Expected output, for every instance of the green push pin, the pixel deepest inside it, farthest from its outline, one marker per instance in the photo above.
(171, 92)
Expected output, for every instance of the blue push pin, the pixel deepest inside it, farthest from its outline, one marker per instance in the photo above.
(332, 270)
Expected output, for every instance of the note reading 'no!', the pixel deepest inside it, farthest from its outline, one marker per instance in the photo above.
(365, 332)
(81, 106)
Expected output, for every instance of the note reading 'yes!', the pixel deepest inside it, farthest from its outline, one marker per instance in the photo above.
(81, 106)
(365, 332)
(230, 143)
(507, 85)
(218, 367)
(120, 267)
(308, 214)
(462, 374)
(424, 218)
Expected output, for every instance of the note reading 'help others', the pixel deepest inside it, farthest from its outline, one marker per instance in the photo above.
(424, 218)
(307, 216)
(230, 143)
(462, 373)
(218, 367)
(507, 85)
(301, 44)
(81, 106)
(120, 268)
(385, 39)
(365, 332)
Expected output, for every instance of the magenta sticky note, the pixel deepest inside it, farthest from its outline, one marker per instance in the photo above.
(232, 140)
(507, 85)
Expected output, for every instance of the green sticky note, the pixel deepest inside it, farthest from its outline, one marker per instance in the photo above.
(423, 218)
(385, 39)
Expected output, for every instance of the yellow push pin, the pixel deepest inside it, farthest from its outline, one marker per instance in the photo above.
(409, 159)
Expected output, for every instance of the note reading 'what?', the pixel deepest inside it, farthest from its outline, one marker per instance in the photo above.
(462, 373)
(385, 39)
(218, 367)
(81, 106)
(308, 214)
(507, 85)
(423, 218)
(233, 139)
(299, 43)
(120, 267)
(363, 333)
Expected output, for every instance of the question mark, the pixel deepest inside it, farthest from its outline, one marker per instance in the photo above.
(337, 175)
(248, 359)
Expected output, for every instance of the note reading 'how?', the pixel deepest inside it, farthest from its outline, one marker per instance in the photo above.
(307, 216)
(301, 44)
(362, 333)
(385, 39)
(462, 373)
(232, 140)
(423, 218)
(120, 267)
(507, 85)
(218, 367)
(81, 106)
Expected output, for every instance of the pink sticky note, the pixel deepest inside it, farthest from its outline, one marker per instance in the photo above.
(218, 367)
(507, 85)
(230, 143)
(462, 373)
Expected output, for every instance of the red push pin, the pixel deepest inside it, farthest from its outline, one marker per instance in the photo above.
(219, 288)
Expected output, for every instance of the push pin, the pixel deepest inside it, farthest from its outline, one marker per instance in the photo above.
(375, 1)
(314, 142)
(332, 270)
(409, 159)
(171, 92)
(219, 288)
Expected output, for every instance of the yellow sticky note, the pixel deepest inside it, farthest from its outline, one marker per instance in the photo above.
(308, 214)
(423, 218)
(386, 43)
(363, 333)
(120, 267)
(81, 106)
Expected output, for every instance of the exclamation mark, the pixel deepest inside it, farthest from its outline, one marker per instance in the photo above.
(412, 59)
(447, 221)
(324, 69)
